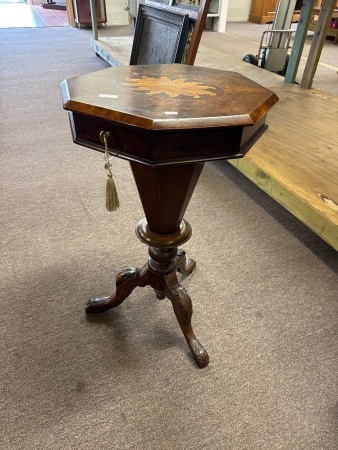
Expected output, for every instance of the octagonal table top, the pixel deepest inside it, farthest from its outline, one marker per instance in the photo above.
(168, 96)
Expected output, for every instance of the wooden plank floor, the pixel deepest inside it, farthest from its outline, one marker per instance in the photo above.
(296, 161)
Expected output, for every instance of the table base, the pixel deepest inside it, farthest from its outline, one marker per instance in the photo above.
(160, 272)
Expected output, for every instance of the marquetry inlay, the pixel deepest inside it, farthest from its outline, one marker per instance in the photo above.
(170, 87)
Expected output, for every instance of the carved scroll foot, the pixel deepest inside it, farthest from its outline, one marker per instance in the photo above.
(126, 281)
(184, 266)
(183, 310)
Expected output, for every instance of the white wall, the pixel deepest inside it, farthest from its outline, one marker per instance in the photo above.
(116, 15)
(230, 11)
(238, 10)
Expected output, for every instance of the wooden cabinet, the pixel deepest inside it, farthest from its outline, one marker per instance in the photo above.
(82, 14)
(263, 11)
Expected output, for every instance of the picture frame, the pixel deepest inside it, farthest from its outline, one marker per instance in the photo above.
(160, 37)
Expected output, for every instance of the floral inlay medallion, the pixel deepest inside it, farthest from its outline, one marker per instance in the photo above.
(172, 88)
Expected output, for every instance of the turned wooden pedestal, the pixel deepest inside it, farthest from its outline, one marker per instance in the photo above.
(167, 120)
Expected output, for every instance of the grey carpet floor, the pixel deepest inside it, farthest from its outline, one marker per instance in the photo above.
(264, 295)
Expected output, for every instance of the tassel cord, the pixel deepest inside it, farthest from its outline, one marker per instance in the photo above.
(112, 199)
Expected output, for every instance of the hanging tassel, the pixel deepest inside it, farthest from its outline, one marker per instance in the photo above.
(112, 199)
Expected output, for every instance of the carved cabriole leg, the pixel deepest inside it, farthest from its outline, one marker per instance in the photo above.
(164, 261)
(184, 266)
(183, 310)
(126, 281)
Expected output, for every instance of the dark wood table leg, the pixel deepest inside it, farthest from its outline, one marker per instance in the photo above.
(183, 310)
(184, 266)
(126, 281)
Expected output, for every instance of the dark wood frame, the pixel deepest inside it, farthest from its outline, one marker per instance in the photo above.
(148, 47)
(197, 17)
